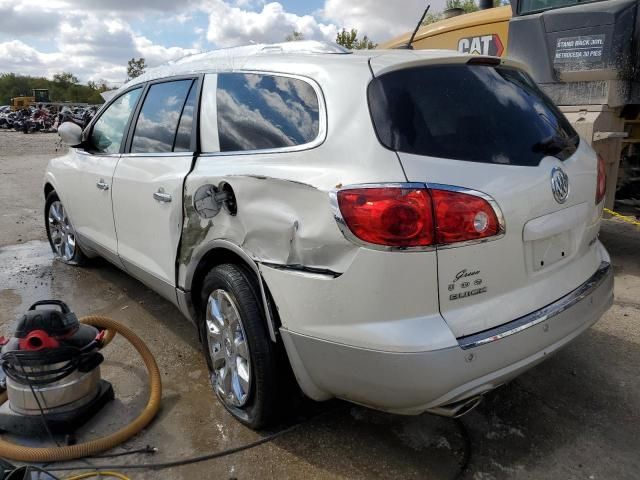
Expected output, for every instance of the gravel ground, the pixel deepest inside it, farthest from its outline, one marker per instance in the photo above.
(23, 159)
(576, 416)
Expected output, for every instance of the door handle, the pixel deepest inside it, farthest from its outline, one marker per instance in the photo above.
(102, 185)
(161, 196)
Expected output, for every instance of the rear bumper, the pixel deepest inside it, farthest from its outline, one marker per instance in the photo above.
(412, 383)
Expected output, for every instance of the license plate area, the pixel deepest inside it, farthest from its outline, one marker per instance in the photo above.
(550, 250)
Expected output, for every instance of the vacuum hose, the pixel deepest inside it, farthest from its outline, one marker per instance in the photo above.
(86, 449)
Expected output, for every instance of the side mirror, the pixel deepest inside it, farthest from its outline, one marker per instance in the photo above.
(70, 134)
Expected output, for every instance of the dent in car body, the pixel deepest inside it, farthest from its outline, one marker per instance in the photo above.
(286, 224)
(279, 222)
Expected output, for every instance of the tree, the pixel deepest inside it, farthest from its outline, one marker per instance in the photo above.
(294, 36)
(350, 40)
(135, 68)
(65, 78)
(469, 6)
(64, 87)
(99, 86)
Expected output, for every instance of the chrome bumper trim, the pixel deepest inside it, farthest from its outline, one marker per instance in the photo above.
(539, 316)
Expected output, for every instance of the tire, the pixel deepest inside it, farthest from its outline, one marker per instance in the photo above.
(61, 233)
(229, 290)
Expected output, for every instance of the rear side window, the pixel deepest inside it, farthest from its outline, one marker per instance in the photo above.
(108, 131)
(477, 113)
(160, 117)
(258, 112)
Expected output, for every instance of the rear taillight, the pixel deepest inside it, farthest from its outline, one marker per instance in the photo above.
(415, 216)
(390, 216)
(601, 185)
(461, 217)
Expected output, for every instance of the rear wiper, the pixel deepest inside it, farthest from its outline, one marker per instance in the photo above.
(554, 144)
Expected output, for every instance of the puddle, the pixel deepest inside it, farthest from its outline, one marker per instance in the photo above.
(353, 443)
(26, 275)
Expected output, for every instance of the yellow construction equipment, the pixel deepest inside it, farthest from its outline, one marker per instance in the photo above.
(583, 55)
(484, 32)
(38, 95)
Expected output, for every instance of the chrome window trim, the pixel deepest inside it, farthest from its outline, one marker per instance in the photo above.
(322, 118)
(348, 234)
(141, 154)
(82, 151)
(158, 154)
(546, 313)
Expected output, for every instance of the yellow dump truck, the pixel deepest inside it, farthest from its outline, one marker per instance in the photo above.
(584, 56)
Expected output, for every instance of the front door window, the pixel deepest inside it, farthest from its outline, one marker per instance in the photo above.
(109, 129)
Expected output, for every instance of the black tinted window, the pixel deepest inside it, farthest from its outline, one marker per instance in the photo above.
(258, 112)
(529, 6)
(159, 117)
(477, 113)
(183, 136)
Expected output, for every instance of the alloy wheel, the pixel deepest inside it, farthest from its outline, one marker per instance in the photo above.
(63, 236)
(228, 349)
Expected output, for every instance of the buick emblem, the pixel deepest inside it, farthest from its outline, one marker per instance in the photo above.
(559, 185)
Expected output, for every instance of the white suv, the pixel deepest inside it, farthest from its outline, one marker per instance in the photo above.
(412, 228)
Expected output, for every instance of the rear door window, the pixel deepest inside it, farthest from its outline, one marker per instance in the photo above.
(109, 129)
(478, 113)
(258, 112)
(160, 117)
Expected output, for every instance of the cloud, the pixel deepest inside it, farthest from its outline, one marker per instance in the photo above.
(124, 7)
(16, 56)
(379, 19)
(94, 39)
(90, 46)
(22, 19)
(232, 25)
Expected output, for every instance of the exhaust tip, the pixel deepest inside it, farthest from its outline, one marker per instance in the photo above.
(467, 407)
(457, 409)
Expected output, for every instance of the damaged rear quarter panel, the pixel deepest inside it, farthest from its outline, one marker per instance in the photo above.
(284, 215)
(282, 220)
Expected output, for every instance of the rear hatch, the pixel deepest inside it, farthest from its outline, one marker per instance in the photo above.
(488, 128)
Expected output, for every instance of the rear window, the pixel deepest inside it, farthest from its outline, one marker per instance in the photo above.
(477, 113)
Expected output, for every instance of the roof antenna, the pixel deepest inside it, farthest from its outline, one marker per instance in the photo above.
(408, 46)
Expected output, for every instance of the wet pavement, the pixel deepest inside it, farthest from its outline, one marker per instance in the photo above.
(574, 416)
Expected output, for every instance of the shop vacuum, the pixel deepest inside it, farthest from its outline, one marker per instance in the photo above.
(51, 372)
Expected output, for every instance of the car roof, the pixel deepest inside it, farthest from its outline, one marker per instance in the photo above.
(300, 57)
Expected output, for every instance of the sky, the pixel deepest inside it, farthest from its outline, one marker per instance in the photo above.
(94, 39)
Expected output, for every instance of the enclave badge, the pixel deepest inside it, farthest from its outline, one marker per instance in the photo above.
(559, 184)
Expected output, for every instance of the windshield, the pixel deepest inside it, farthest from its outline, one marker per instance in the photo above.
(477, 113)
(531, 6)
